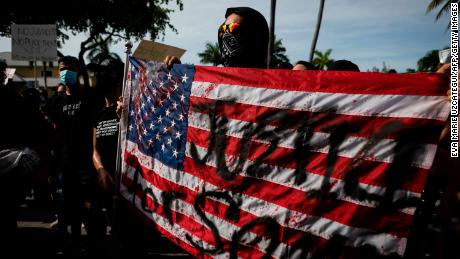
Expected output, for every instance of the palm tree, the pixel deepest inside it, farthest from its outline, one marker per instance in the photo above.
(429, 62)
(278, 55)
(102, 53)
(322, 60)
(318, 27)
(434, 4)
(211, 54)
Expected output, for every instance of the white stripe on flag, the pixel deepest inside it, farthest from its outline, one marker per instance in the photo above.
(321, 227)
(226, 229)
(407, 106)
(174, 229)
(286, 177)
(382, 151)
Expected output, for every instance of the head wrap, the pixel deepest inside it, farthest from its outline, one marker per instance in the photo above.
(246, 45)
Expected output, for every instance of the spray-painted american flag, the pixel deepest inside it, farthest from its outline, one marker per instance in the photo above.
(230, 162)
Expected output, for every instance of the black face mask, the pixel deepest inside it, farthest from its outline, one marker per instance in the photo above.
(233, 48)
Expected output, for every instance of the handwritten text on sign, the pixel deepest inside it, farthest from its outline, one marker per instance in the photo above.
(34, 42)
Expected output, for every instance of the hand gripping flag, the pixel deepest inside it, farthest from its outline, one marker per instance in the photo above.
(233, 162)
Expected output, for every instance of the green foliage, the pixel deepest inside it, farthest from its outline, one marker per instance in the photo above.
(278, 55)
(211, 54)
(102, 53)
(384, 68)
(102, 20)
(444, 7)
(322, 60)
(429, 62)
(134, 18)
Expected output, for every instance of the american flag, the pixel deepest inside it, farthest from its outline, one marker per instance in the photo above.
(234, 162)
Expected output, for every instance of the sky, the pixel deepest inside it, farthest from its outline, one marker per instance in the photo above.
(367, 32)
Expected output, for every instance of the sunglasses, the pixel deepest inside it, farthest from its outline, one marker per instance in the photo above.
(231, 26)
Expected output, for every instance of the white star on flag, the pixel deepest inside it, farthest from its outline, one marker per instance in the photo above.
(181, 117)
(160, 119)
(167, 112)
(178, 135)
(184, 78)
(169, 141)
(169, 76)
(163, 147)
(174, 105)
(173, 123)
(158, 136)
(182, 98)
(151, 125)
(150, 142)
(175, 153)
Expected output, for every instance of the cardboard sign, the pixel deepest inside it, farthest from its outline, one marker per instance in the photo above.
(34, 42)
(151, 50)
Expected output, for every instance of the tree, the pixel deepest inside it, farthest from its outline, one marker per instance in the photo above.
(322, 60)
(278, 55)
(101, 20)
(429, 62)
(434, 4)
(318, 27)
(102, 53)
(211, 54)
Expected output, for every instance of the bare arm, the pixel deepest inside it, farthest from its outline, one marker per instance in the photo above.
(104, 178)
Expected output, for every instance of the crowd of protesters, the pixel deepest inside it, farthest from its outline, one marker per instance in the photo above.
(66, 157)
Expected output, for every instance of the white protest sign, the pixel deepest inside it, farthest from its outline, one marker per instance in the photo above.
(34, 42)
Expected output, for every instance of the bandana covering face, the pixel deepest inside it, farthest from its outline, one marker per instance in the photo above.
(232, 45)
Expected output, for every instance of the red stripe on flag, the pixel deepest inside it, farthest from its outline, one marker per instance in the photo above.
(190, 224)
(363, 126)
(372, 172)
(346, 213)
(327, 81)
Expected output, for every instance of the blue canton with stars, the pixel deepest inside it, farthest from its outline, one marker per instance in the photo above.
(158, 110)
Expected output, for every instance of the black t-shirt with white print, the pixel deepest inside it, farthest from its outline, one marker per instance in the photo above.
(106, 125)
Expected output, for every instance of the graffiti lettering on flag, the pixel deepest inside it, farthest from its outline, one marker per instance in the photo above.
(273, 163)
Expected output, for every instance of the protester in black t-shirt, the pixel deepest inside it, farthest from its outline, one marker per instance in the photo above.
(105, 141)
(71, 114)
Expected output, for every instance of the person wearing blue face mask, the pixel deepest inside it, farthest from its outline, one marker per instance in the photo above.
(72, 116)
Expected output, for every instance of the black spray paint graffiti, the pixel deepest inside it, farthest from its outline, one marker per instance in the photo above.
(404, 151)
